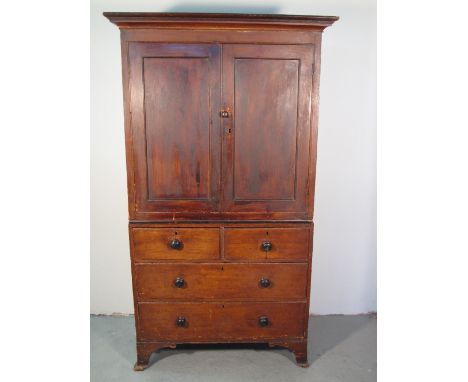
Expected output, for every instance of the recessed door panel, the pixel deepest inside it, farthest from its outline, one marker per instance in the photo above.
(267, 91)
(266, 100)
(174, 91)
(177, 127)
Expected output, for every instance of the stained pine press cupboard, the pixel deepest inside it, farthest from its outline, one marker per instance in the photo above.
(221, 114)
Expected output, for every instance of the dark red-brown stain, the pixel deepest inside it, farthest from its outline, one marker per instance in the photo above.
(221, 114)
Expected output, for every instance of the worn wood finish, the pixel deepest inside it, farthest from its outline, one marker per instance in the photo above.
(224, 223)
(174, 101)
(221, 115)
(177, 143)
(269, 88)
(257, 173)
(151, 244)
(220, 321)
(177, 155)
(224, 242)
(291, 244)
(234, 36)
(221, 282)
(247, 34)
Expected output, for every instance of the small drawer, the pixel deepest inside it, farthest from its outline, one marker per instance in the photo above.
(221, 281)
(290, 244)
(175, 244)
(220, 321)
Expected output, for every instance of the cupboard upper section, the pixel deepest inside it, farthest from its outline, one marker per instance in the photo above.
(220, 130)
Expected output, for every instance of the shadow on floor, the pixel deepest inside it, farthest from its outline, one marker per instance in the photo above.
(326, 332)
(191, 348)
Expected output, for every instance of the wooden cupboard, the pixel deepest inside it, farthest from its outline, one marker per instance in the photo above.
(221, 114)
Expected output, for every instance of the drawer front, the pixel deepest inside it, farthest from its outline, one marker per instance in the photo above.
(267, 243)
(221, 281)
(229, 321)
(175, 244)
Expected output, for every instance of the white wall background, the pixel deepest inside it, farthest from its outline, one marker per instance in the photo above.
(344, 265)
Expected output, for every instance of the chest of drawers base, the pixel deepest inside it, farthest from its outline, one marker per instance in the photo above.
(197, 283)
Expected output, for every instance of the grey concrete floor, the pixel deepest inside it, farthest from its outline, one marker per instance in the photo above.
(341, 348)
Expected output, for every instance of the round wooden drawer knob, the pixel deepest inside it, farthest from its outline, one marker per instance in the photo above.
(176, 244)
(179, 282)
(263, 321)
(181, 322)
(266, 246)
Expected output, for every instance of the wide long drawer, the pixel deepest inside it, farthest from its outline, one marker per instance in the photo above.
(175, 244)
(220, 321)
(222, 281)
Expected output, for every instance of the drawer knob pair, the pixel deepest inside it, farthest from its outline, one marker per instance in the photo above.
(176, 244)
(266, 246)
(179, 282)
(263, 321)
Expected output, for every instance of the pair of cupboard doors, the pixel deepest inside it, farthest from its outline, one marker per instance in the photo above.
(220, 130)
